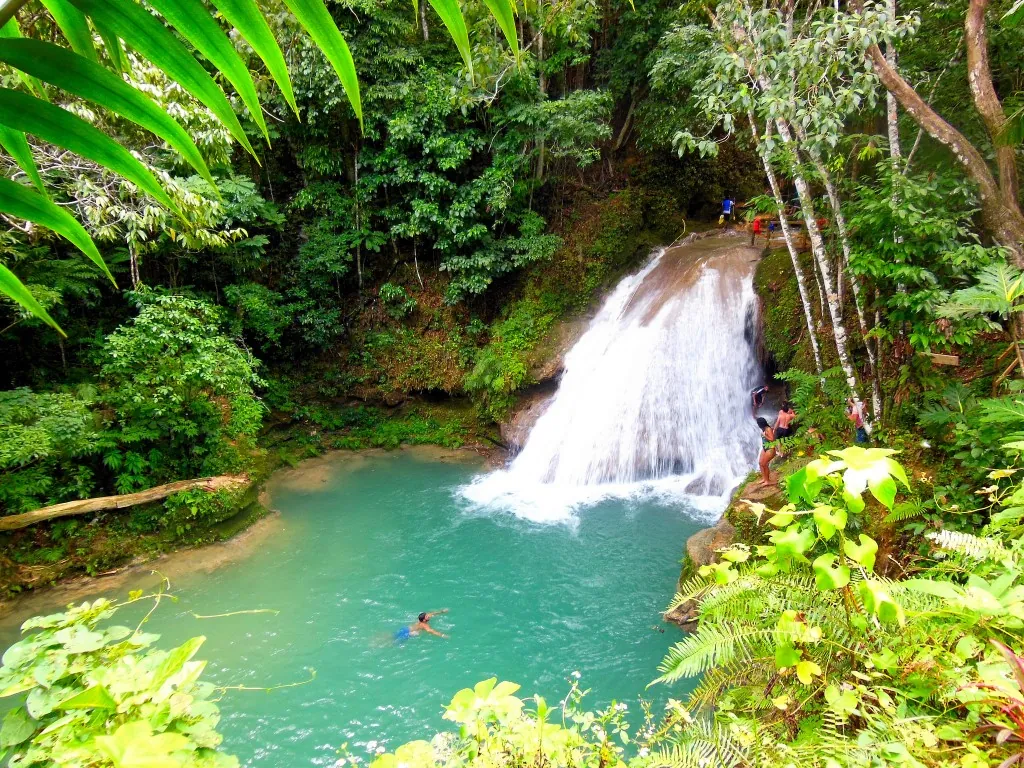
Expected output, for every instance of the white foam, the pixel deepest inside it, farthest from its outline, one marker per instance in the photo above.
(653, 405)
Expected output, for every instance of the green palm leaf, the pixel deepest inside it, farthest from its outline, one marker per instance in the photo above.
(11, 31)
(504, 13)
(313, 16)
(11, 286)
(194, 22)
(245, 16)
(69, 71)
(74, 25)
(28, 114)
(451, 15)
(18, 200)
(17, 147)
(144, 32)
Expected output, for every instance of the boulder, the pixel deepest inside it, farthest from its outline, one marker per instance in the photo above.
(701, 549)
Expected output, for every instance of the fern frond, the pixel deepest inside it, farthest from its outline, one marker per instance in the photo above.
(905, 510)
(975, 547)
(713, 645)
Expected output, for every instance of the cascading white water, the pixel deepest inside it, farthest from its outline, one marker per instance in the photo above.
(654, 398)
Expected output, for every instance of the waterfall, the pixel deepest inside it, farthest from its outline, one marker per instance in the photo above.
(654, 399)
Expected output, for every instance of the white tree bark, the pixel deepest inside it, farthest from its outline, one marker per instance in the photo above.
(787, 235)
(844, 242)
(821, 256)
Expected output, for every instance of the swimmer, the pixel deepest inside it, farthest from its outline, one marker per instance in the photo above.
(422, 625)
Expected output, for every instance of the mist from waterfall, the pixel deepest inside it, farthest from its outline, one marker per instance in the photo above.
(654, 397)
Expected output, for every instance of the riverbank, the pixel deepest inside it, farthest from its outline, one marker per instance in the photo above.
(148, 569)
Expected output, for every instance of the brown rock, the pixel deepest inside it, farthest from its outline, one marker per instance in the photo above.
(702, 548)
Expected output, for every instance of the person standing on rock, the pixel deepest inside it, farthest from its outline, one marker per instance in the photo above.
(767, 450)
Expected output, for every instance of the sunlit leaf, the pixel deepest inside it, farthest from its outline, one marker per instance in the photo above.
(12, 287)
(74, 25)
(245, 16)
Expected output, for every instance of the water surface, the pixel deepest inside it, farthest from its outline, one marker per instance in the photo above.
(366, 542)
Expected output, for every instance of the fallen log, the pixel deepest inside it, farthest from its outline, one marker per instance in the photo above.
(101, 503)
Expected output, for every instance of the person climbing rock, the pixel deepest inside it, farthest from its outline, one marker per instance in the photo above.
(757, 398)
(767, 450)
(422, 625)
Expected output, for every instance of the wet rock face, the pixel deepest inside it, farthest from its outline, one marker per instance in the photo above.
(515, 431)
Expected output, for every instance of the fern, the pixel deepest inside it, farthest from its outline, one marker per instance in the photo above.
(905, 510)
(974, 547)
(712, 645)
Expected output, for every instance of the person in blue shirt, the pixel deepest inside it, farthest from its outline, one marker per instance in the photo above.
(727, 209)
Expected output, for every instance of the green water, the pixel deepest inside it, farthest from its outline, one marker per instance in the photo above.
(377, 540)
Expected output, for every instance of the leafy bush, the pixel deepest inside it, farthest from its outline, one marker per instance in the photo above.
(182, 393)
(106, 697)
(46, 440)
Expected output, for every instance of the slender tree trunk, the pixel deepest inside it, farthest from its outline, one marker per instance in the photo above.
(423, 21)
(892, 115)
(820, 255)
(787, 235)
(844, 243)
(355, 190)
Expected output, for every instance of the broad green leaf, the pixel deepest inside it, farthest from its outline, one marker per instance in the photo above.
(941, 589)
(315, 19)
(17, 147)
(176, 660)
(806, 671)
(99, 85)
(96, 697)
(504, 13)
(863, 553)
(883, 489)
(17, 727)
(12, 287)
(451, 14)
(843, 703)
(801, 487)
(74, 25)
(134, 745)
(11, 31)
(145, 33)
(829, 520)
(245, 16)
(58, 126)
(827, 576)
(1014, 16)
(194, 22)
(24, 203)
(793, 541)
(878, 602)
(780, 519)
(786, 655)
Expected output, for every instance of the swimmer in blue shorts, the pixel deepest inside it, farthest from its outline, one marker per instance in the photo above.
(422, 625)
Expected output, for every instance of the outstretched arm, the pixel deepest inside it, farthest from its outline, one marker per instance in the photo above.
(431, 614)
(433, 631)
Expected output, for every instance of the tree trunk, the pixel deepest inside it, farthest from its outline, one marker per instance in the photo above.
(101, 503)
(844, 243)
(1001, 215)
(892, 116)
(818, 249)
(787, 235)
(423, 21)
